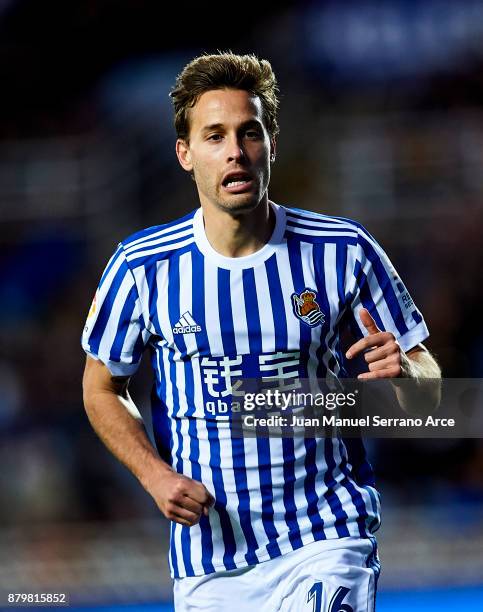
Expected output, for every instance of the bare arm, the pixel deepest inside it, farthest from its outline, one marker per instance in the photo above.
(119, 425)
(425, 394)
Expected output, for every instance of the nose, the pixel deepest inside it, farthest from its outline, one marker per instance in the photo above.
(235, 150)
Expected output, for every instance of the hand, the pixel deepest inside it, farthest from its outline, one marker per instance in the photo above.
(181, 499)
(385, 357)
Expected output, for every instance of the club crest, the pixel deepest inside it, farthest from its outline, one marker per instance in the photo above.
(306, 308)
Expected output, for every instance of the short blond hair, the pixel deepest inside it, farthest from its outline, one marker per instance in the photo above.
(224, 70)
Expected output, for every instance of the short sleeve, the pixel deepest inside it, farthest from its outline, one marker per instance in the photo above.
(114, 331)
(374, 284)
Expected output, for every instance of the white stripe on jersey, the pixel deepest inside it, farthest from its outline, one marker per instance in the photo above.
(309, 232)
(330, 278)
(185, 295)
(264, 310)
(309, 281)
(212, 312)
(300, 472)
(237, 297)
(115, 313)
(172, 228)
(161, 249)
(139, 248)
(286, 281)
(322, 223)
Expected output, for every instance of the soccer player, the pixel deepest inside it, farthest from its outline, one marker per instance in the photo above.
(244, 287)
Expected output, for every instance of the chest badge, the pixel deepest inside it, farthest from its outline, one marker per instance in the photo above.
(306, 308)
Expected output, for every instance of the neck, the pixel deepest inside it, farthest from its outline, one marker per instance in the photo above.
(239, 235)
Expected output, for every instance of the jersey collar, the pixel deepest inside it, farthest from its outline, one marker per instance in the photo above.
(246, 261)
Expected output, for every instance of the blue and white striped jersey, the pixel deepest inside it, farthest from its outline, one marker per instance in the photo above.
(208, 319)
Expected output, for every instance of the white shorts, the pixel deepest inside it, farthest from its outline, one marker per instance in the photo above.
(324, 576)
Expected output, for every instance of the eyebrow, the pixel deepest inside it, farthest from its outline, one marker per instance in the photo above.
(245, 124)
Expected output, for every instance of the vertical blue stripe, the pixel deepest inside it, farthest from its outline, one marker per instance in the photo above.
(199, 315)
(310, 492)
(251, 309)
(289, 493)
(198, 297)
(321, 271)
(295, 259)
(138, 348)
(356, 496)
(151, 273)
(341, 265)
(172, 550)
(220, 496)
(318, 254)
(266, 491)
(375, 523)
(330, 495)
(225, 313)
(119, 251)
(368, 302)
(385, 283)
(174, 314)
(123, 325)
(281, 344)
(159, 410)
(276, 295)
(362, 473)
(238, 447)
(163, 435)
(204, 524)
(99, 327)
(263, 445)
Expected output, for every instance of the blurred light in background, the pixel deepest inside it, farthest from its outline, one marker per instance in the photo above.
(361, 40)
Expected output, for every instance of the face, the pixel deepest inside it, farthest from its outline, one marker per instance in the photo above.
(229, 150)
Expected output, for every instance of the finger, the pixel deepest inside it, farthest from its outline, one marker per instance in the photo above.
(371, 375)
(382, 364)
(180, 513)
(190, 504)
(366, 343)
(382, 352)
(368, 321)
(182, 521)
(200, 493)
(391, 372)
(195, 506)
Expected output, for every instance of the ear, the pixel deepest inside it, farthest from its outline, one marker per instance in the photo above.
(184, 155)
(273, 149)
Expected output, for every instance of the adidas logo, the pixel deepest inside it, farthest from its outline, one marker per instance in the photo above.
(186, 325)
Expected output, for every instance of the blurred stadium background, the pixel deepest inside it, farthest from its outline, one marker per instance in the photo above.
(381, 120)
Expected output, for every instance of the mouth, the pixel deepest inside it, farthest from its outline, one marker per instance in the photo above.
(237, 182)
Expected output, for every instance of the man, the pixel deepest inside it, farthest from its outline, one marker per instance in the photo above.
(243, 287)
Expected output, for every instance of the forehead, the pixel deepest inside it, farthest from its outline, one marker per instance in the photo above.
(225, 106)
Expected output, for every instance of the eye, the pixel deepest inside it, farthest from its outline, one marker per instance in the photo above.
(253, 134)
(214, 137)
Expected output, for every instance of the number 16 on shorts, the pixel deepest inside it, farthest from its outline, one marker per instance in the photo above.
(336, 604)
